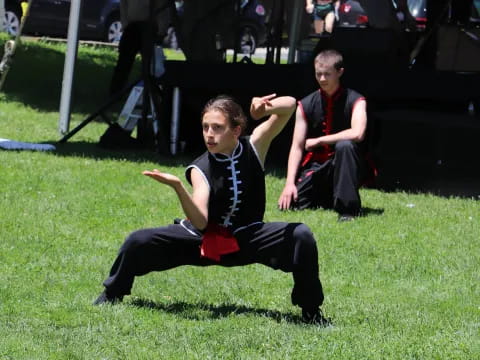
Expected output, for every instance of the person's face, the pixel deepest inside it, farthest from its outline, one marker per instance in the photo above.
(218, 135)
(327, 76)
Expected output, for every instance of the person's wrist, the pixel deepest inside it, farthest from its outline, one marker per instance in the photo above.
(177, 186)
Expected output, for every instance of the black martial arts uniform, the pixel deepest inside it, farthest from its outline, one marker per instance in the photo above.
(329, 176)
(235, 213)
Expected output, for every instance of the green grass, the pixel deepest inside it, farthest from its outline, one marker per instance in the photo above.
(400, 283)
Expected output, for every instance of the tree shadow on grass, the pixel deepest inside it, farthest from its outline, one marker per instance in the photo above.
(201, 310)
(35, 77)
(93, 150)
(366, 211)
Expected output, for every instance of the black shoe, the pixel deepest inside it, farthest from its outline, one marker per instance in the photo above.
(104, 298)
(315, 317)
(345, 217)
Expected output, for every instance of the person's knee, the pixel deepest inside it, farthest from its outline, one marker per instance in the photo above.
(133, 241)
(305, 256)
(345, 146)
(304, 236)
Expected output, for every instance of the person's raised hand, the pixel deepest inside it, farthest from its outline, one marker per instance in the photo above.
(164, 178)
(259, 105)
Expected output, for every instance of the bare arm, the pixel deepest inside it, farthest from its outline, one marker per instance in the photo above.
(289, 192)
(336, 5)
(355, 133)
(280, 110)
(194, 206)
(308, 6)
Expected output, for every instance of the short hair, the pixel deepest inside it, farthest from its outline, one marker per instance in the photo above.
(330, 55)
(229, 108)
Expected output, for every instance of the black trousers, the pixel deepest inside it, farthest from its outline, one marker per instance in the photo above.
(137, 38)
(289, 247)
(333, 184)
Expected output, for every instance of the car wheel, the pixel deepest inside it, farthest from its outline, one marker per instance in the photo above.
(12, 22)
(247, 43)
(114, 30)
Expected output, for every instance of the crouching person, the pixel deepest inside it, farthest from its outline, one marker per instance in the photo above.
(225, 210)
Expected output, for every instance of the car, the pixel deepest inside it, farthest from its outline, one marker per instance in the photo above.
(352, 14)
(100, 19)
(475, 15)
(418, 9)
(251, 33)
(13, 14)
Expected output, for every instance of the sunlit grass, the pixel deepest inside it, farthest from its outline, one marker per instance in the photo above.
(400, 282)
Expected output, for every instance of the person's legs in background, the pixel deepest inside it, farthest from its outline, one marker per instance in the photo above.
(129, 46)
(329, 22)
(346, 179)
(318, 25)
(314, 186)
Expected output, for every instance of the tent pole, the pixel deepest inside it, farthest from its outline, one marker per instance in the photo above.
(294, 30)
(2, 15)
(69, 66)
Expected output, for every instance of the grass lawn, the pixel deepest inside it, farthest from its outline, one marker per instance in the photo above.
(401, 282)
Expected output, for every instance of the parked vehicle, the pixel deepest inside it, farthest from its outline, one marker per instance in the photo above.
(251, 31)
(13, 14)
(100, 19)
(475, 16)
(352, 14)
(418, 9)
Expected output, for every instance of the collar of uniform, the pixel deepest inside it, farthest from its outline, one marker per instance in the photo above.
(235, 154)
(334, 96)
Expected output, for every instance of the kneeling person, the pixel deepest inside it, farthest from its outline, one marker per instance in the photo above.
(327, 158)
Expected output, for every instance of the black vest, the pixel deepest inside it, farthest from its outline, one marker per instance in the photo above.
(320, 110)
(237, 185)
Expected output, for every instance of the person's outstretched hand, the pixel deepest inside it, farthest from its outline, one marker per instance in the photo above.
(288, 194)
(164, 178)
(259, 105)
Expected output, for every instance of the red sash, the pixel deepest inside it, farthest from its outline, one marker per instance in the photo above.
(217, 241)
(320, 155)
